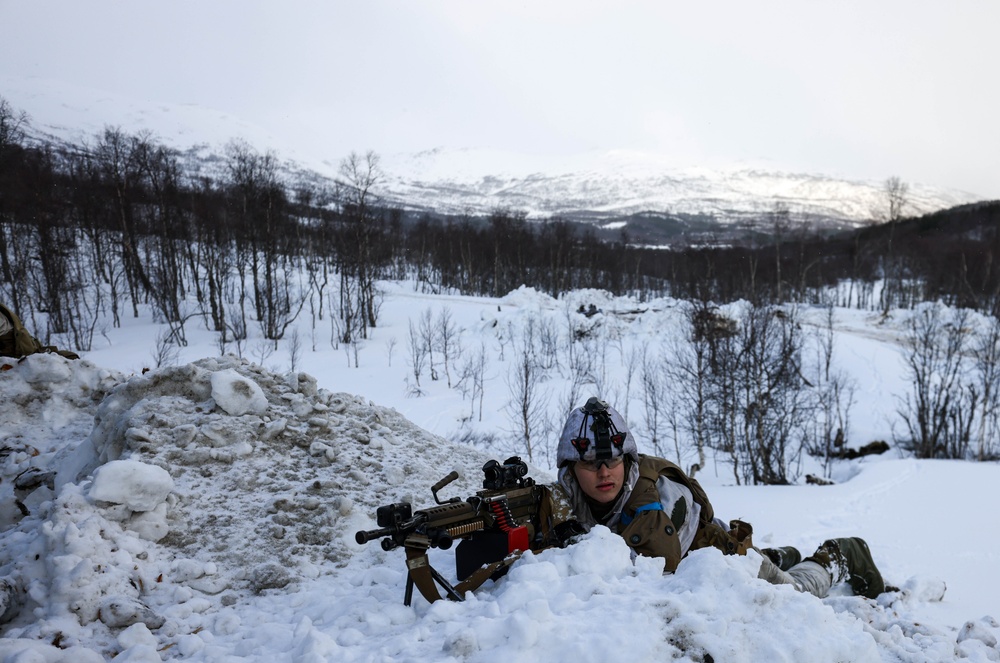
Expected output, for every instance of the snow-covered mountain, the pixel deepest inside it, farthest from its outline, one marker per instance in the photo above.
(609, 185)
(602, 186)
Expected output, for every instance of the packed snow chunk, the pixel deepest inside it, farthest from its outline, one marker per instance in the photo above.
(25, 650)
(46, 369)
(189, 645)
(607, 557)
(139, 486)
(137, 634)
(120, 611)
(150, 525)
(138, 654)
(924, 589)
(980, 630)
(237, 395)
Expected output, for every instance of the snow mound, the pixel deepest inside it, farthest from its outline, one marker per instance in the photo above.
(174, 506)
(529, 299)
(45, 400)
(184, 527)
(590, 602)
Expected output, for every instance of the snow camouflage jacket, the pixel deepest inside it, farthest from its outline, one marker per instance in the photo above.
(16, 341)
(662, 512)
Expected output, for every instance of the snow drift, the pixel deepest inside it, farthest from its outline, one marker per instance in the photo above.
(207, 512)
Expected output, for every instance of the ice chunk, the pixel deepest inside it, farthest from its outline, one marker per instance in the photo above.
(237, 395)
(139, 486)
(46, 369)
(151, 525)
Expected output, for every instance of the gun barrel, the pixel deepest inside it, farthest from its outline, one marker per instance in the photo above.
(363, 537)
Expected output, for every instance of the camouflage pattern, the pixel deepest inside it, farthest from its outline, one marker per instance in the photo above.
(17, 342)
(669, 531)
(784, 558)
(576, 426)
(686, 520)
(835, 561)
(849, 560)
(808, 576)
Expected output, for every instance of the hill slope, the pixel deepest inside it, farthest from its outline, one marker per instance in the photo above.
(210, 513)
(596, 187)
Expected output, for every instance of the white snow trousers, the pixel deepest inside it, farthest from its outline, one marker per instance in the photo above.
(806, 576)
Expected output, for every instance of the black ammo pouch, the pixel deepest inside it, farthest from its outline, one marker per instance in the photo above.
(565, 531)
(483, 548)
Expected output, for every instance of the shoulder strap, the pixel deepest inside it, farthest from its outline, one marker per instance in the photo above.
(652, 468)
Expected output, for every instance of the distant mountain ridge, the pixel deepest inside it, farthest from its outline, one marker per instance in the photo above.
(608, 188)
(619, 184)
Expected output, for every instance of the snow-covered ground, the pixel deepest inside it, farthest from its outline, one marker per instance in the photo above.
(206, 510)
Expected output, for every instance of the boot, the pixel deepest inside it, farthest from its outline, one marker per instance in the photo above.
(784, 558)
(850, 560)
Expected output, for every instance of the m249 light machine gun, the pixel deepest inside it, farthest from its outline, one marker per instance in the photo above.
(495, 525)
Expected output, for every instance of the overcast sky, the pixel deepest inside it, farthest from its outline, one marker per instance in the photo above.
(858, 89)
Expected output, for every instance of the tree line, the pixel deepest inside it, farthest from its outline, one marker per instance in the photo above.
(94, 231)
(128, 214)
(122, 221)
(760, 386)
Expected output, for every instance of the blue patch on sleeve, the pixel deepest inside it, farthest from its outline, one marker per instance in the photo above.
(652, 506)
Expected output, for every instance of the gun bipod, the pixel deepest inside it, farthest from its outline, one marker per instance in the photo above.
(423, 575)
(420, 572)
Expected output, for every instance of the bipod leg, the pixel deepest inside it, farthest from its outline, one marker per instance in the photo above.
(408, 596)
(424, 576)
(452, 594)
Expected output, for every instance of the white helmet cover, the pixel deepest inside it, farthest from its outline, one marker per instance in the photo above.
(581, 437)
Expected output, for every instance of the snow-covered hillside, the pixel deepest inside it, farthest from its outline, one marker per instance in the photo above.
(592, 186)
(612, 184)
(206, 512)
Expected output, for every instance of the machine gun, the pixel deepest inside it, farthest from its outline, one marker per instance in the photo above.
(495, 525)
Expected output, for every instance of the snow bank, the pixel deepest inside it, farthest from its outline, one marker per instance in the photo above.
(187, 526)
(250, 481)
(588, 602)
(46, 406)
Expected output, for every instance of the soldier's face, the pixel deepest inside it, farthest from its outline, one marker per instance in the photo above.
(603, 484)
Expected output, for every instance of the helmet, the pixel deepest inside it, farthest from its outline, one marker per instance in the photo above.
(595, 432)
